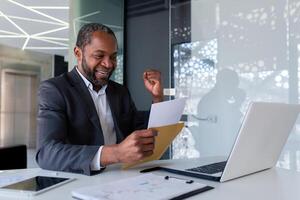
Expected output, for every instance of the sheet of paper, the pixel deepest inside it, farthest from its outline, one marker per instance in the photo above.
(166, 113)
(147, 187)
(165, 136)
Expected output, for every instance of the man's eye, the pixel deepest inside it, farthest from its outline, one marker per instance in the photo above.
(98, 56)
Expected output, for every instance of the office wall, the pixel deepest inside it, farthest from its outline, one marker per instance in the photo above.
(21, 72)
(147, 47)
(16, 58)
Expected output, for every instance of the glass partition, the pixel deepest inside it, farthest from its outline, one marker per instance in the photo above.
(226, 54)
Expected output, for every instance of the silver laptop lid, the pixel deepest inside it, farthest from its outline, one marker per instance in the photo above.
(261, 138)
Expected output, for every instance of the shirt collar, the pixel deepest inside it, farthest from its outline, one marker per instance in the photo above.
(90, 85)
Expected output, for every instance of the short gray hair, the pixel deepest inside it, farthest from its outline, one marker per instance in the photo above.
(85, 33)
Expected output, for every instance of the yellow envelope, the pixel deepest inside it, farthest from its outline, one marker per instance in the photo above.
(165, 136)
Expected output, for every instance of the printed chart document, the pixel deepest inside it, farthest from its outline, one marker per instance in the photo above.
(146, 187)
(164, 118)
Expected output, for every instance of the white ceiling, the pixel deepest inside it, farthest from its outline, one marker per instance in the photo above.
(37, 25)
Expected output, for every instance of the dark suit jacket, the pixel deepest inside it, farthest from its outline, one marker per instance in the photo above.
(69, 130)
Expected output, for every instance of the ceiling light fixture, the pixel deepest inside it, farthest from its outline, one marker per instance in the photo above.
(50, 41)
(13, 36)
(25, 43)
(37, 36)
(49, 7)
(13, 23)
(8, 32)
(34, 20)
(38, 12)
(54, 48)
(50, 31)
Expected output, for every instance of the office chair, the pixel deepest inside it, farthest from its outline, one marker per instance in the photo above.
(13, 157)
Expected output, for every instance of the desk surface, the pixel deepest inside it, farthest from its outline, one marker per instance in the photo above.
(273, 184)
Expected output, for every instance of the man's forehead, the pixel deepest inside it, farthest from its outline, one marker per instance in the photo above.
(103, 52)
(103, 35)
(102, 41)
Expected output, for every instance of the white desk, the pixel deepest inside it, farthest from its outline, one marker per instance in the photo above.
(273, 184)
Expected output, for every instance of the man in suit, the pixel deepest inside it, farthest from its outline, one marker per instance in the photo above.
(85, 120)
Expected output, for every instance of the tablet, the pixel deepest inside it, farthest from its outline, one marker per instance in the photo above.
(34, 185)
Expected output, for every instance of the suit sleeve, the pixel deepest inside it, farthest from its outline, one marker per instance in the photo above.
(54, 152)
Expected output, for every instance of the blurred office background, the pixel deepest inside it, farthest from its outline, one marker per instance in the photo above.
(220, 54)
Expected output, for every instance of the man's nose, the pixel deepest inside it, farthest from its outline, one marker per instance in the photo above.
(107, 62)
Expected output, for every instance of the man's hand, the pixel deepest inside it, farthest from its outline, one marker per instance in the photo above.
(135, 147)
(153, 83)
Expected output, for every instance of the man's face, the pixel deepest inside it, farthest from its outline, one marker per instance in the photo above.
(97, 60)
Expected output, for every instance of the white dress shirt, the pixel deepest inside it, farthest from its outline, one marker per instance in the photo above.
(105, 118)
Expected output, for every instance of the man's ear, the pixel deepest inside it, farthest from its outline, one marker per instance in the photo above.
(78, 54)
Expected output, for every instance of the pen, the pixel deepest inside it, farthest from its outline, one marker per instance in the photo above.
(186, 181)
(192, 193)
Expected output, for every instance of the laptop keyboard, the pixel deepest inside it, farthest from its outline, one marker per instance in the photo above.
(209, 169)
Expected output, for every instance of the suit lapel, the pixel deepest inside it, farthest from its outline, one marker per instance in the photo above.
(87, 100)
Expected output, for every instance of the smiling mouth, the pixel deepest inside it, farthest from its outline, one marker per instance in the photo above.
(101, 74)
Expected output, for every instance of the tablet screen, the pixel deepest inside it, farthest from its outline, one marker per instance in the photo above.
(36, 184)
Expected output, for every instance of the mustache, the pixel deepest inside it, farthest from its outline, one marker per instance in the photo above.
(103, 69)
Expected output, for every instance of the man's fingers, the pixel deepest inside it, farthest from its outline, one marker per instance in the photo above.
(149, 70)
(148, 140)
(153, 77)
(148, 147)
(148, 153)
(146, 133)
(152, 74)
(152, 81)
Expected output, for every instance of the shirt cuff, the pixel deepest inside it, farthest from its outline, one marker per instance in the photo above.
(95, 164)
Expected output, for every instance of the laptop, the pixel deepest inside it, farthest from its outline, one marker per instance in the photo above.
(262, 135)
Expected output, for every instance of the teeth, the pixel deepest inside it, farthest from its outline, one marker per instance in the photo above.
(102, 73)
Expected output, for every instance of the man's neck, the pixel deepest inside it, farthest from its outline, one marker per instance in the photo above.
(97, 88)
